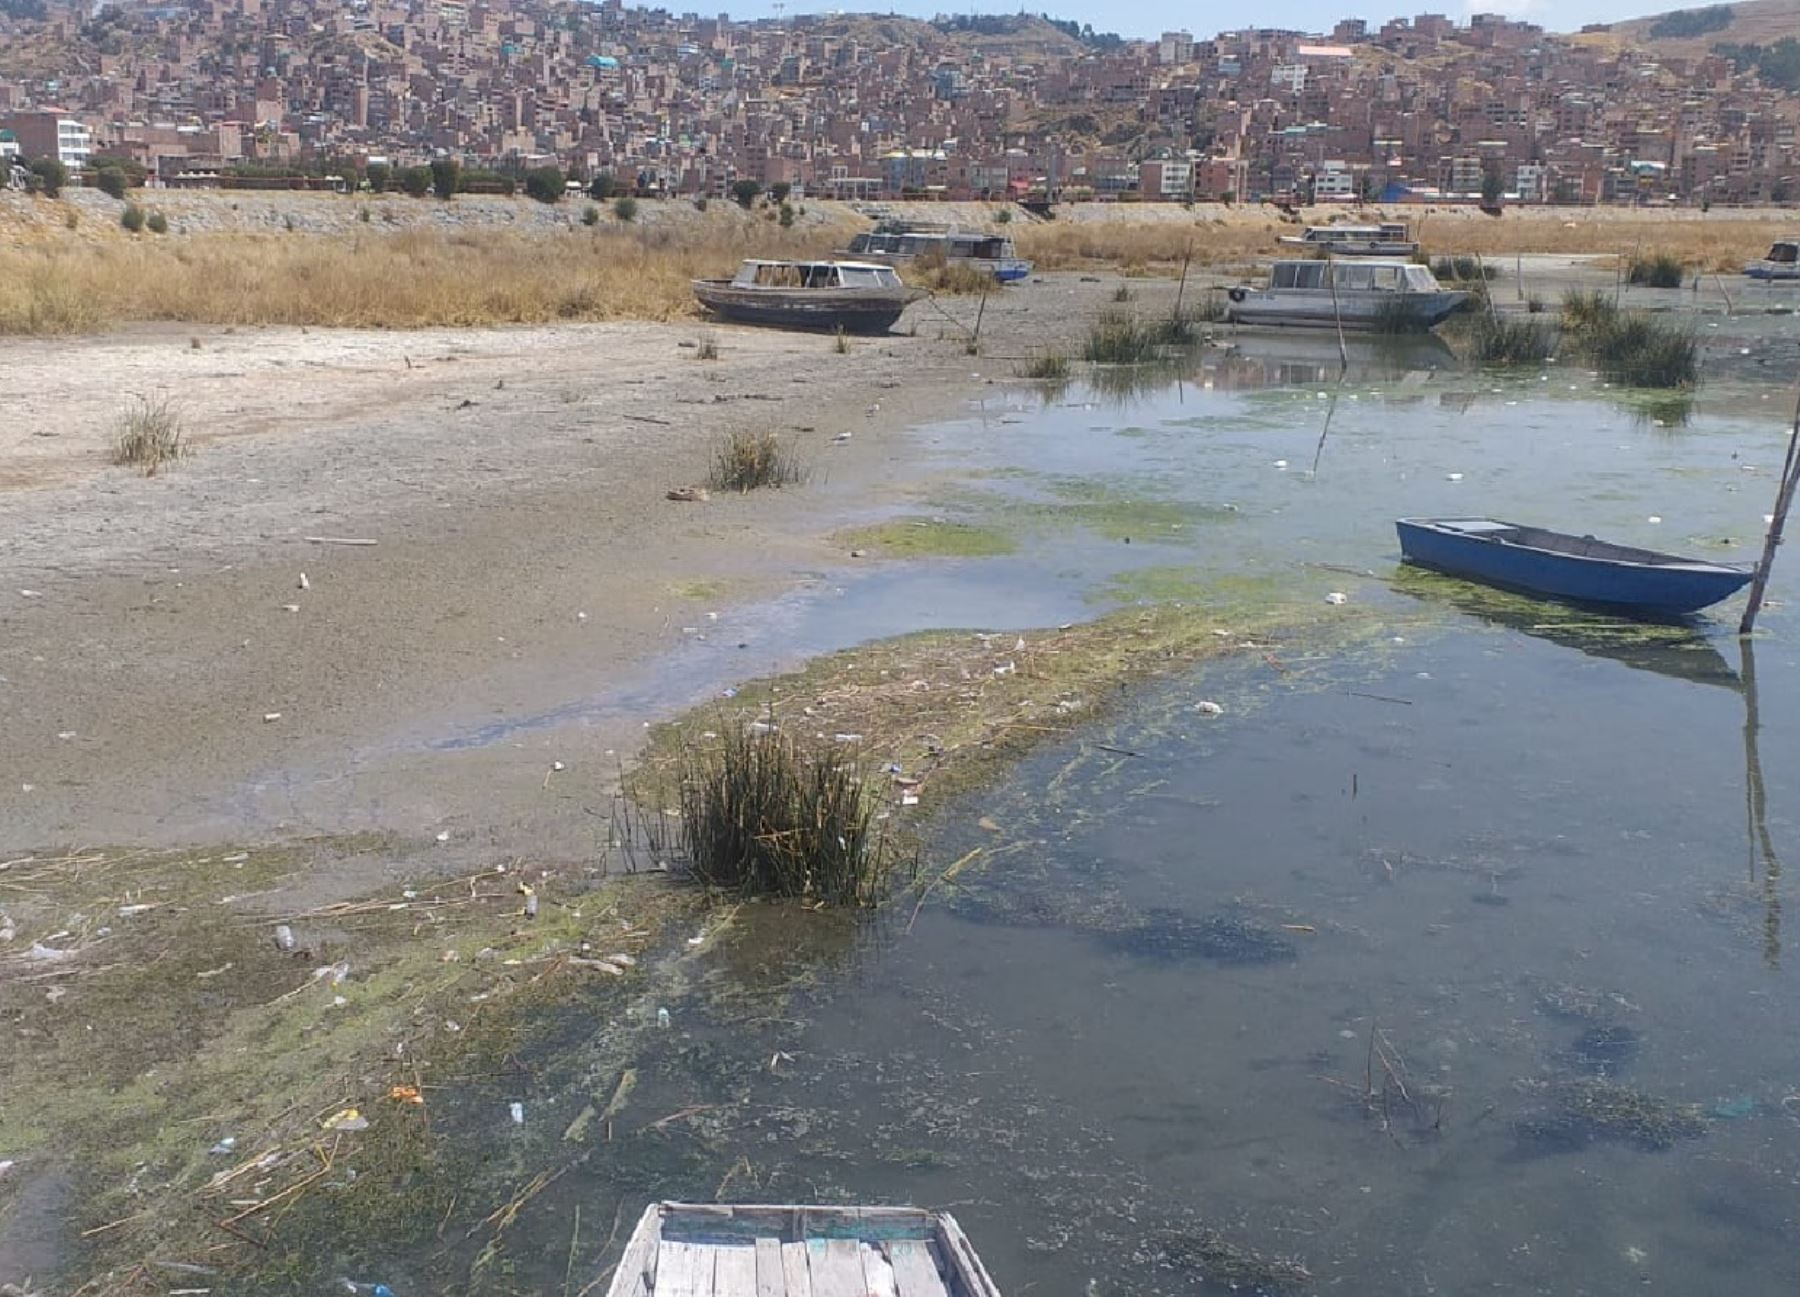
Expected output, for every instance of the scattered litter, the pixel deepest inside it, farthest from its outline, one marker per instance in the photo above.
(405, 1094)
(210, 973)
(7, 1166)
(1654, 518)
(598, 965)
(444, 836)
(1281, 464)
(236, 859)
(1206, 707)
(531, 901)
(558, 767)
(689, 494)
(271, 716)
(42, 954)
(337, 973)
(580, 616)
(987, 825)
(662, 1018)
(304, 583)
(1733, 1109)
(347, 1120)
(847, 738)
(65, 735)
(1453, 477)
(338, 540)
(127, 911)
(31, 594)
(1337, 597)
(224, 1146)
(284, 937)
(841, 437)
(290, 607)
(517, 1111)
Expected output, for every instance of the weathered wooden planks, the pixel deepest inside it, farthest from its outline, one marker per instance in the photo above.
(915, 1271)
(836, 1267)
(684, 1269)
(734, 1270)
(878, 1273)
(770, 1281)
(793, 1269)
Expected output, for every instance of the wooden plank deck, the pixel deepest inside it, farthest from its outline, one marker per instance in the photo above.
(915, 1271)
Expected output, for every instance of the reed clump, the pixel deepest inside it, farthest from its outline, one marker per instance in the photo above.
(1462, 270)
(1656, 270)
(1397, 315)
(148, 435)
(762, 816)
(1052, 367)
(748, 461)
(1118, 338)
(1496, 341)
(1630, 348)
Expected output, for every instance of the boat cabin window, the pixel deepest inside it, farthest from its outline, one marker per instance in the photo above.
(1420, 279)
(1298, 274)
(868, 277)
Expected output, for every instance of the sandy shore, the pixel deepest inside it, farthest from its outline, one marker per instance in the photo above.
(527, 588)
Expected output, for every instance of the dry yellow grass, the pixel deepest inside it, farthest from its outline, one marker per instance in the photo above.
(408, 279)
(1057, 245)
(1696, 240)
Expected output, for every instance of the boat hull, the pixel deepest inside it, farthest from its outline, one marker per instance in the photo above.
(1773, 270)
(818, 309)
(1360, 248)
(1005, 270)
(1312, 308)
(1657, 584)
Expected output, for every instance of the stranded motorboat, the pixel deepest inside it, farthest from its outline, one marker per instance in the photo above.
(855, 296)
(1384, 295)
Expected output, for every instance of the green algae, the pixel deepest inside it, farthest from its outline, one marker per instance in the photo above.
(925, 537)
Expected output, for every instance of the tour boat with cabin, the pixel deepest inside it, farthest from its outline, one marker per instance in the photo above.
(1782, 262)
(900, 243)
(1387, 239)
(1357, 295)
(854, 296)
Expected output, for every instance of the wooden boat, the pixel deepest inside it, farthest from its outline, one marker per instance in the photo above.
(855, 296)
(1781, 262)
(900, 243)
(690, 1250)
(1579, 569)
(1368, 295)
(1387, 239)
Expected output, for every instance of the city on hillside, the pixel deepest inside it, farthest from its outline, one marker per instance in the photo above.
(306, 93)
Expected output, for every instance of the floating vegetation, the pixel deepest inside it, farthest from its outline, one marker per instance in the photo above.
(1587, 312)
(1168, 936)
(1582, 1003)
(1212, 1258)
(1605, 1048)
(764, 817)
(1577, 1113)
(930, 537)
(1656, 270)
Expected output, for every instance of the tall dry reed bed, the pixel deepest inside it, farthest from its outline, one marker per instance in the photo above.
(405, 279)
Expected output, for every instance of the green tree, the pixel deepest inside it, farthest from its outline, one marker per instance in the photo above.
(50, 175)
(745, 192)
(787, 216)
(111, 182)
(379, 175)
(546, 184)
(1492, 187)
(625, 207)
(603, 186)
(416, 181)
(446, 174)
(779, 191)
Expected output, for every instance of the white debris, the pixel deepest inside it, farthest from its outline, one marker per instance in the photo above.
(558, 766)
(1206, 707)
(1453, 477)
(662, 1018)
(42, 954)
(1337, 597)
(444, 836)
(1281, 463)
(271, 716)
(304, 583)
(1654, 518)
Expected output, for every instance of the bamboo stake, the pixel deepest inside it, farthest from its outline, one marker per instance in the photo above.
(1337, 315)
(1784, 498)
(1187, 255)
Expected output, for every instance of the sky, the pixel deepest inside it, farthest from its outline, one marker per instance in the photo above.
(1152, 17)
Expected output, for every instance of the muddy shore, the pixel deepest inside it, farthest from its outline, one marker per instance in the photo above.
(528, 567)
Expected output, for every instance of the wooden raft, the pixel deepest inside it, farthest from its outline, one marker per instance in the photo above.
(695, 1250)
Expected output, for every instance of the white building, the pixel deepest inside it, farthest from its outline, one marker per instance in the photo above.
(1335, 182)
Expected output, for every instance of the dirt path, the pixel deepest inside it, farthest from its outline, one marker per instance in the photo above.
(520, 608)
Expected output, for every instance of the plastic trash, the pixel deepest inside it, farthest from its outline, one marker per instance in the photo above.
(1206, 707)
(1337, 597)
(1733, 1109)
(348, 1119)
(372, 1289)
(1654, 518)
(284, 937)
(662, 1018)
(224, 1146)
(517, 1112)
(1453, 477)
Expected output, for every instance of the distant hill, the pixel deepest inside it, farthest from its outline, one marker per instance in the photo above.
(1696, 30)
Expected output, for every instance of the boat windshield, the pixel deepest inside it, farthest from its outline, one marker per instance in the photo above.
(868, 277)
(1784, 253)
(1298, 274)
(1419, 279)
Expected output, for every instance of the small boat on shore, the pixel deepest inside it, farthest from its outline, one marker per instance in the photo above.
(1781, 262)
(730, 1250)
(855, 296)
(1578, 569)
(1388, 239)
(1391, 296)
(901, 244)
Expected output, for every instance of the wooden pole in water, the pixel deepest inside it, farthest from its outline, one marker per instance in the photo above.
(1337, 315)
(975, 338)
(1784, 498)
(1187, 255)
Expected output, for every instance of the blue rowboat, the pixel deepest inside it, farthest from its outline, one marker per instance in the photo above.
(1559, 566)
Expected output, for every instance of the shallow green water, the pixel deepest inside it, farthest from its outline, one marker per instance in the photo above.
(1454, 963)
